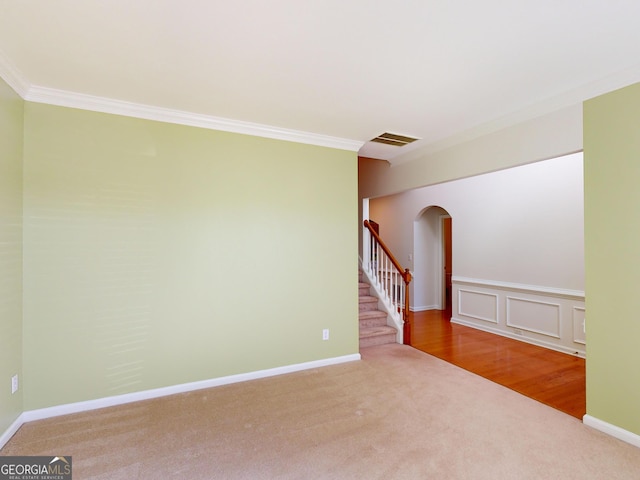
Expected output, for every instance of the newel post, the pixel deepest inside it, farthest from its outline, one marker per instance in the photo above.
(406, 332)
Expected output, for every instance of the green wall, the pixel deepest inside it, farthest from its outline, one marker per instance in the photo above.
(11, 138)
(612, 256)
(158, 254)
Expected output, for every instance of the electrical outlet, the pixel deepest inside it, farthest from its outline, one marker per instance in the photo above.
(14, 384)
(325, 334)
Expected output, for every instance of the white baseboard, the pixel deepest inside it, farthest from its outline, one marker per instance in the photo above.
(10, 432)
(609, 429)
(532, 341)
(424, 308)
(42, 413)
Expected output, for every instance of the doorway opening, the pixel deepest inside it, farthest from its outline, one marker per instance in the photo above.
(447, 255)
(433, 259)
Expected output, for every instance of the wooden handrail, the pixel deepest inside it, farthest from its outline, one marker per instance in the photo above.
(406, 277)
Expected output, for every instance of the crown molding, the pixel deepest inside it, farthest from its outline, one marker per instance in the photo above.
(65, 98)
(33, 93)
(14, 77)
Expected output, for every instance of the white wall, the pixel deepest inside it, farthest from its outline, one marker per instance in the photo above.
(427, 260)
(515, 230)
(548, 136)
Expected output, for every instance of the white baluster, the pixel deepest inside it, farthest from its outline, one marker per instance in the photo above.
(386, 274)
(366, 254)
(395, 289)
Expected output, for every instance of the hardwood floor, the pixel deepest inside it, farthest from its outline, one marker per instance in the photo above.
(553, 378)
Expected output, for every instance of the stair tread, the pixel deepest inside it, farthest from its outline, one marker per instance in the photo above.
(367, 298)
(375, 331)
(372, 314)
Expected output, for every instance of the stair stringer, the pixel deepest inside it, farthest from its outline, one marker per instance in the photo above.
(394, 319)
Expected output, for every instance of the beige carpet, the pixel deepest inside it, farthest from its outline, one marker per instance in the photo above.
(397, 414)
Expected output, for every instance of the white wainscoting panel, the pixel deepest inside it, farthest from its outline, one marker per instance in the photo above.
(579, 319)
(479, 305)
(534, 316)
(546, 316)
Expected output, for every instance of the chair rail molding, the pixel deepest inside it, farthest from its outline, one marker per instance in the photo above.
(521, 287)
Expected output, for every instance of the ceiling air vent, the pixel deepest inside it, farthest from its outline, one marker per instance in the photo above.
(393, 139)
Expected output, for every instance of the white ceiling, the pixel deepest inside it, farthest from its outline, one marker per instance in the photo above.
(350, 69)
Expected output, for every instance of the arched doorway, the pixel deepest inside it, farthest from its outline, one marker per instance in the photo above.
(433, 259)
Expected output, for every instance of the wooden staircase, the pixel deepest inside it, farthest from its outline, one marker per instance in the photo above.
(373, 322)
